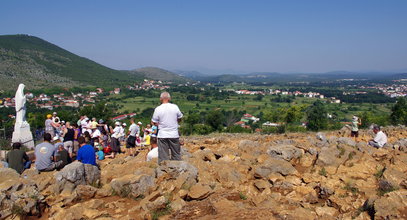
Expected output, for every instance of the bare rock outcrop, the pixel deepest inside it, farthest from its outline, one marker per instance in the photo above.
(75, 174)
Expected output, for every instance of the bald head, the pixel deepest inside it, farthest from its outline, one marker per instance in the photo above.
(165, 97)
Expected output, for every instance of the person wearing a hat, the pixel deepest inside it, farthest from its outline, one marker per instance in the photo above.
(380, 139)
(355, 127)
(55, 118)
(115, 139)
(131, 139)
(50, 126)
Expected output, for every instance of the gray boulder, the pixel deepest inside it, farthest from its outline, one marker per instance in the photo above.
(174, 169)
(75, 174)
(133, 185)
(321, 136)
(274, 166)
(18, 193)
(328, 157)
(286, 152)
(347, 141)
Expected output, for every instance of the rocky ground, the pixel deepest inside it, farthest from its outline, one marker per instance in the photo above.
(226, 176)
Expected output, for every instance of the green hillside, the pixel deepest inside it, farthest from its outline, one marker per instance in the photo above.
(159, 74)
(39, 64)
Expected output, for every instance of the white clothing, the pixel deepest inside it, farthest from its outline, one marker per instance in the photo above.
(167, 115)
(116, 132)
(96, 133)
(134, 129)
(85, 126)
(121, 134)
(380, 138)
(152, 154)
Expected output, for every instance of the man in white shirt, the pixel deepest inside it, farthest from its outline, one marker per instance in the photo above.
(167, 116)
(381, 138)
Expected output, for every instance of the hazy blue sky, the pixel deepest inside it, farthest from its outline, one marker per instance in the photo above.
(282, 36)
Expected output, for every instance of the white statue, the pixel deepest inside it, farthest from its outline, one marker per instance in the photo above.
(22, 132)
(20, 100)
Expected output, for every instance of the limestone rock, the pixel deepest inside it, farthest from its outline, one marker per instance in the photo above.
(18, 193)
(326, 211)
(347, 141)
(392, 205)
(286, 152)
(174, 169)
(132, 185)
(199, 192)
(75, 174)
(328, 157)
(274, 166)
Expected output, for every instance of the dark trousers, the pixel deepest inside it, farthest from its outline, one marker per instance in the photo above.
(167, 145)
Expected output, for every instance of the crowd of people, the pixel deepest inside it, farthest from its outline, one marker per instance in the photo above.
(89, 140)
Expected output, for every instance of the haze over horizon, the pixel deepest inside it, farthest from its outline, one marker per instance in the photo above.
(240, 36)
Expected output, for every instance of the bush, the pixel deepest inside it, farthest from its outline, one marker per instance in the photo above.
(202, 129)
(237, 129)
(274, 130)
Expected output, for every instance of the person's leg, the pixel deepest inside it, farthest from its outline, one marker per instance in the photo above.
(175, 148)
(27, 165)
(374, 144)
(163, 149)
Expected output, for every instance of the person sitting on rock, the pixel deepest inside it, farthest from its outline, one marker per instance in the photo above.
(100, 154)
(45, 155)
(153, 153)
(63, 155)
(17, 159)
(86, 153)
(381, 138)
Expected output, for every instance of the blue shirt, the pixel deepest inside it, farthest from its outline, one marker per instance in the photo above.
(86, 154)
(101, 155)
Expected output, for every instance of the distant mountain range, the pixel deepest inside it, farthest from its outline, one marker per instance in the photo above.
(269, 77)
(40, 64)
(159, 74)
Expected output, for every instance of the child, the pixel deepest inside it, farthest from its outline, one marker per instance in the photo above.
(100, 155)
(146, 139)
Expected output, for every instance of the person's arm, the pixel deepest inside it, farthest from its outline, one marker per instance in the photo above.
(25, 157)
(179, 115)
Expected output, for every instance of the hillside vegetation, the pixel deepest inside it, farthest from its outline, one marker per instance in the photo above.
(40, 64)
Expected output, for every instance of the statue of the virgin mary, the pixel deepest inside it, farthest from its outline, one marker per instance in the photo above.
(22, 132)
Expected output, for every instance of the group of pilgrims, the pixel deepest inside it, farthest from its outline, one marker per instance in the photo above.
(105, 139)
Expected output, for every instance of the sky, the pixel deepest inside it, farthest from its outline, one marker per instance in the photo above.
(221, 35)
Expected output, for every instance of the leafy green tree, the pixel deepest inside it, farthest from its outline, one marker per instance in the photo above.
(293, 114)
(202, 129)
(215, 119)
(317, 117)
(191, 120)
(399, 112)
